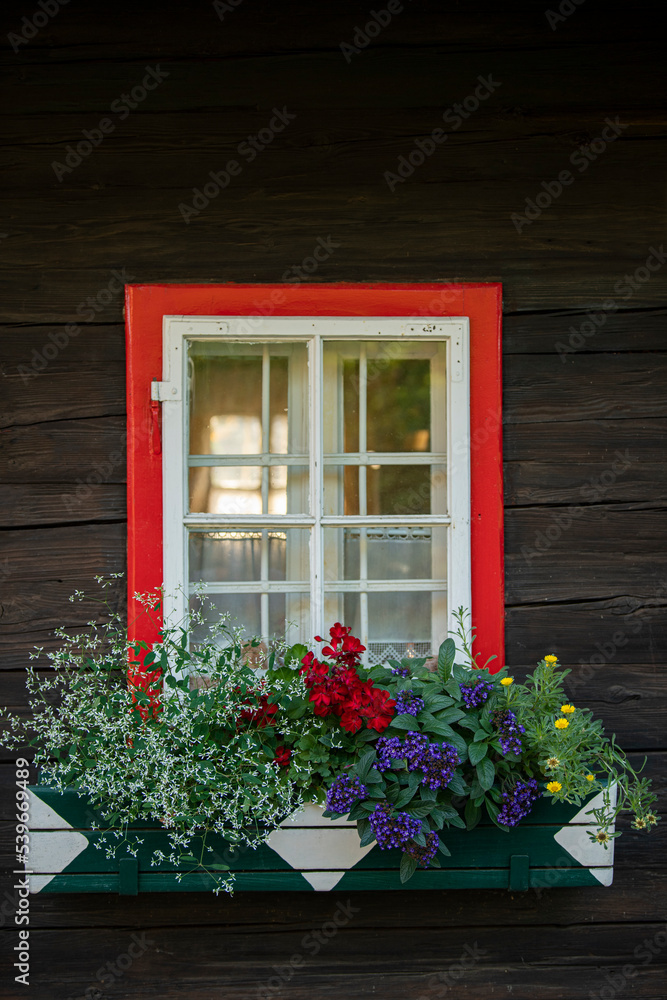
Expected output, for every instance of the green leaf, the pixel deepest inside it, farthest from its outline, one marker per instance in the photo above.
(405, 721)
(405, 796)
(373, 777)
(436, 702)
(477, 751)
(473, 814)
(295, 654)
(486, 773)
(414, 779)
(442, 847)
(479, 735)
(458, 786)
(408, 867)
(219, 868)
(446, 655)
(365, 764)
(441, 729)
(365, 832)
(451, 715)
(421, 810)
(356, 812)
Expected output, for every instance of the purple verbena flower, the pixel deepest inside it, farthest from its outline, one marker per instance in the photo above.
(344, 792)
(509, 731)
(518, 801)
(413, 749)
(408, 703)
(392, 830)
(438, 761)
(424, 855)
(388, 748)
(475, 694)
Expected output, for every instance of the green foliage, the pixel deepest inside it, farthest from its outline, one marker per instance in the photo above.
(578, 758)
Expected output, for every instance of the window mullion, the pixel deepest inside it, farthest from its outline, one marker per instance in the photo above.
(316, 484)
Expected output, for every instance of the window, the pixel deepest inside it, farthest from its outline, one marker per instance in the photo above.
(308, 457)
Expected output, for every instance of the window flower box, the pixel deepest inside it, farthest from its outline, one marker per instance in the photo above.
(309, 852)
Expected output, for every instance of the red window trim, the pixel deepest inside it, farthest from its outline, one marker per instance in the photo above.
(147, 304)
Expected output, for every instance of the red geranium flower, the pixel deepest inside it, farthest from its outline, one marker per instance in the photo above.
(282, 756)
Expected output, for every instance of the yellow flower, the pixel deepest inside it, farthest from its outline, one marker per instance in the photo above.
(590, 777)
(602, 837)
(554, 786)
(506, 681)
(651, 819)
(551, 658)
(568, 709)
(553, 762)
(561, 723)
(639, 823)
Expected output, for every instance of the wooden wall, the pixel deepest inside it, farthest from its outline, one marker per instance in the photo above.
(584, 429)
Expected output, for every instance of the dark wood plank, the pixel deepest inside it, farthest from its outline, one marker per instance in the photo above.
(636, 897)
(60, 503)
(612, 75)
(201, 33)
(596, 440)
(587, 553)
(623, 330)
(619, 630)
(60, 392)
(624, 479)
(63, 451)
(348, 147)
(538, 388)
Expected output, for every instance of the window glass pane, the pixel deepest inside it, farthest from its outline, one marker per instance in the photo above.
(238, 556)
(384, 397)
(388, 489)
(240, 489)
(287, 615)
(248, 399)
(393, 624)
(399, 404)
(389, 553)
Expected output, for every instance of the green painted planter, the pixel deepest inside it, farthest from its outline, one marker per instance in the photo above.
(310, 853)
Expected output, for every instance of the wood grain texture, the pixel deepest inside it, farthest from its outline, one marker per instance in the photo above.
(597, 594)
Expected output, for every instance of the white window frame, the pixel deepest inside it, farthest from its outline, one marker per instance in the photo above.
(313, 330)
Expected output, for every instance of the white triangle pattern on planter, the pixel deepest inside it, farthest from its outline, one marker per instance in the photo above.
(321, 849)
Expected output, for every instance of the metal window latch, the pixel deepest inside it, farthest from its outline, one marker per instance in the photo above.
(161, 392)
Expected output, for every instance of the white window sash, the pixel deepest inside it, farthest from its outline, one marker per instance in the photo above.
(450, 422)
